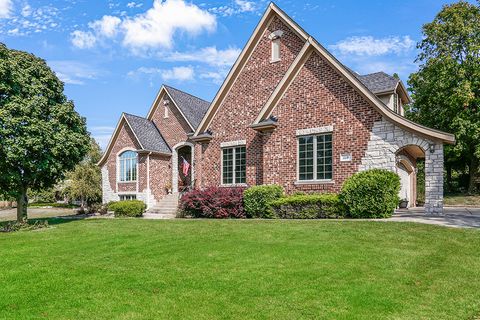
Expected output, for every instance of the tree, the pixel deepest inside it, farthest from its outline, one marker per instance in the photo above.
(42, 136)
(86, 178)
(446, 89)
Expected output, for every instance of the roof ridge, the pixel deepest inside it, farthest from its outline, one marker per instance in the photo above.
(134, 115)
(170, 87)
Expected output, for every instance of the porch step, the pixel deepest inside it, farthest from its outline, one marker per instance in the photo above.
(167, 206)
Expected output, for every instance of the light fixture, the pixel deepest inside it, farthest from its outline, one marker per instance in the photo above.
(431, 147)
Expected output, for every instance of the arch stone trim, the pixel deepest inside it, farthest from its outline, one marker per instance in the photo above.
(175, 164)
(386, 139)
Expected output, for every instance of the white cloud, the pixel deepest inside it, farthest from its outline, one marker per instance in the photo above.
(369, 46)
(209, 55)
(156, 27)
(6, 7)
(246, 6)
(175, 74)
(107, 26)
(73, 72)
(153, 29)
(216, 77)
(240, 6)
(133, 4)
(82, 39)
(29, 19)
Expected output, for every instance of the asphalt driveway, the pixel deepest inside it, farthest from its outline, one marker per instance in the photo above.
(456, 217)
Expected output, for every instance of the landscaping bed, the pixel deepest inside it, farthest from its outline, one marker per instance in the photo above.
(240, 269)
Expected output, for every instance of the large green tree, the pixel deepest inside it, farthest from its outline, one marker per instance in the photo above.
(446, 89)
(86, 178)
(41, 135)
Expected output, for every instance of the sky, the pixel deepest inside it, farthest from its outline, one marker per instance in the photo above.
(113, 56)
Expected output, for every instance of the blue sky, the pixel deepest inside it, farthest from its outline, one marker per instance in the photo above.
(114, 55)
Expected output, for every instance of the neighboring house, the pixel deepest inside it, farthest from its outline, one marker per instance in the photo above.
(288, 113)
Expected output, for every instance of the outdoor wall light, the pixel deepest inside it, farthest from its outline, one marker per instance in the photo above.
(431, 147)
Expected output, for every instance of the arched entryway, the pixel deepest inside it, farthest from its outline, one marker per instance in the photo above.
(182, 167)
(407, 158)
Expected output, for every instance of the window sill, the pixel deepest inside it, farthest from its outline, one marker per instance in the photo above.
(233, 185)
(307, 182)
(134, 181)
(275, 60)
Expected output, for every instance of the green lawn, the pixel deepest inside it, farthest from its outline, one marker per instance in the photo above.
(232, 269)
(462, 200)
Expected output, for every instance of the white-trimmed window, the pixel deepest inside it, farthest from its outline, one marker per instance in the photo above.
(276, 45)
(125, 197)
(276, 50)
(315, 157)
(395, 103)
(234, 165)
(128, 166)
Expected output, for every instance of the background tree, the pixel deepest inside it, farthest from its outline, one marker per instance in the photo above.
(42, 136)
(86, 178)
(446, 89)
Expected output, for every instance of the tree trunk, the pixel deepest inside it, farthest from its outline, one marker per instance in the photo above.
(472, 172)
(22, 203)
(449, 177)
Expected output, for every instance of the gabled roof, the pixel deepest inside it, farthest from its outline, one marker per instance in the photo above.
(147, 134)
(191, 108)
(379, 82)
(311, 45)
(144, 131)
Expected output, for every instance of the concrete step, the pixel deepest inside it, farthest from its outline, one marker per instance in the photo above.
(148, 215)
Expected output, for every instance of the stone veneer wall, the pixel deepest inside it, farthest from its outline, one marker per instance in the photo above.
(386, 139)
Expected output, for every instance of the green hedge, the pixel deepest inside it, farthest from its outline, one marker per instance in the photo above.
(308, 206)
(256, 200)
(129, 208)
(371, 194)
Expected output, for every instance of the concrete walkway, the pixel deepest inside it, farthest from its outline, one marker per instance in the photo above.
(456, 217)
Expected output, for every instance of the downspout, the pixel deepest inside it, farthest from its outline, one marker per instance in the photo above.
(148, 180)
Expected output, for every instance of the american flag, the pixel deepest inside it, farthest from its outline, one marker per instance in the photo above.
(185, 167)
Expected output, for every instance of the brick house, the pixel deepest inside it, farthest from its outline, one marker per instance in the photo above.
(288, 113)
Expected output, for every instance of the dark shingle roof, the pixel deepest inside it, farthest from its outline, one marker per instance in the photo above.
(192, 107)
(378, 82)
(147, 133)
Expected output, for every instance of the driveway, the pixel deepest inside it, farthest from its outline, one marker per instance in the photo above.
(456, 217)
(11, 214)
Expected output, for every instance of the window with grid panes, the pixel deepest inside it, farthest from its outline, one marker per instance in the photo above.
(234, 165)
(128, 166)
(315, 157)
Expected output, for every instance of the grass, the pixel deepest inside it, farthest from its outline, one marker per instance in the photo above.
(237, 269)
(462, 200)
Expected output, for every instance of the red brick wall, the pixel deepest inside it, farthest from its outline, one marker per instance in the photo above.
(318, 97)
(174, 128)
(124, 139)
(160, 175)
(242, 104)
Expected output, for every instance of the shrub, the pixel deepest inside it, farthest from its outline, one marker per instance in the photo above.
(23, 225)
(129, 208)
(256, 199)
(371, 194)
(307, 206)
(214, 202)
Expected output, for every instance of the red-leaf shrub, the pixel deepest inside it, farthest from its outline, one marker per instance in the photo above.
(214, 202)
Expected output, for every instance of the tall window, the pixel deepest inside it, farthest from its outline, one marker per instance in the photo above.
(275, 50)
(395, 103)
(234, 165)
(315, 160)
(128, 166)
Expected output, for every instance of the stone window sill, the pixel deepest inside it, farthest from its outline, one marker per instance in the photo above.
(313, 182)
(233, 185)
(134, 181)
